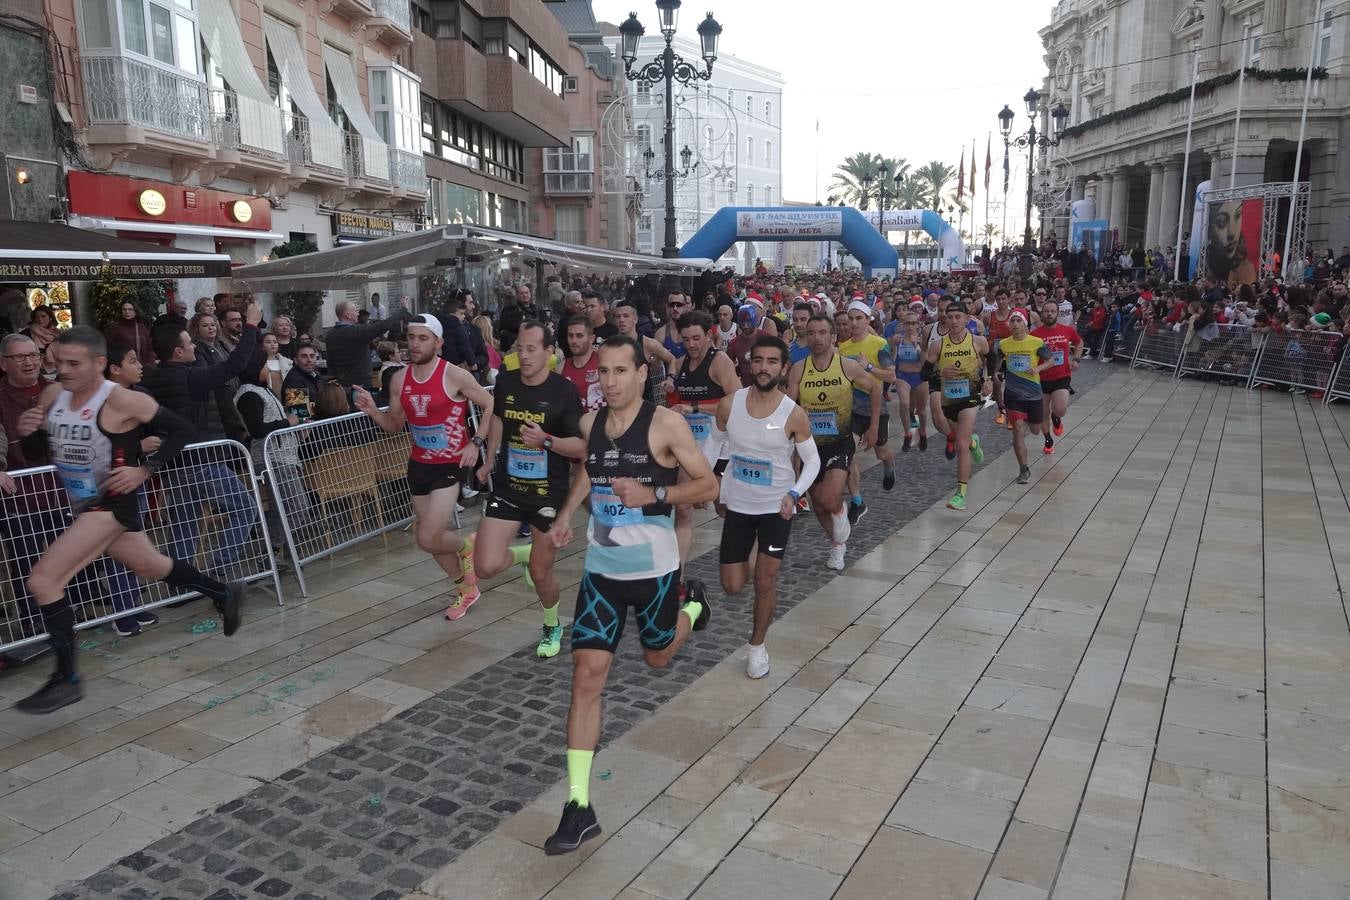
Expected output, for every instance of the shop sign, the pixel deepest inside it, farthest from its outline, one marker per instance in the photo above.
(361, 226)
(241, 211)
(90, 271)
(152, 202)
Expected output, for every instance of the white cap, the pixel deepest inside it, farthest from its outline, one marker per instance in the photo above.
(860, 306)
(430, 323)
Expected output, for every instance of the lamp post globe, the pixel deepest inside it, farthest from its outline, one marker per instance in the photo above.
(630, 32)
(708, 32)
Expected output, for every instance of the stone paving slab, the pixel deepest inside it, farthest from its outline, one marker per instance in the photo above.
(384, 808)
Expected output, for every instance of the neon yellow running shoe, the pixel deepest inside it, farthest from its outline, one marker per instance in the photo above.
(958, 501)
(550, 644)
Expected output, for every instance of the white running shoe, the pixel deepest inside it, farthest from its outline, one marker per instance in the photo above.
(836, 560)
(757, 662)
(842, 529)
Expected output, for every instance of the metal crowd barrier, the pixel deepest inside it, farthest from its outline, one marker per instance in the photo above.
(339, 482)
(1159, 349)
(1232, 354)
(1340, 382)
(1300, 359)
(206, 510)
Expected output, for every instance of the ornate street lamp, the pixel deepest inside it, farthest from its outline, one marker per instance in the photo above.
(1032, 141)
(670, 68)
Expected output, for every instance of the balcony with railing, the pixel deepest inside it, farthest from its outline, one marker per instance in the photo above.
(407, 171)
(320, 149)
(132, 102)
(568, 172)
(392, 23)
(367, 159)
(246, 125)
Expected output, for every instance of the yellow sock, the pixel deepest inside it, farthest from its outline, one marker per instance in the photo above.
(961, 488)
(693, 610)
(520, 554)
(551, 616)
(579, 776)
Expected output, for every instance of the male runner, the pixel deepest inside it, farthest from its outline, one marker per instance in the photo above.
(799, 349)
(677, 304)
(823, 384)
(534, 416)
(634, 453)
(582, 366)
(873, 352)
(703, 376)
(959, 358)
(759, 488)
(92, 429)
(997, 328)
(1024, 358)
(1066, 349)
(433, 399)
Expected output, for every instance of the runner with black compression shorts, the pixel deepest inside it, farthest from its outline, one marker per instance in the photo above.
(433, 400)
(634, 452)
(91, 429)
(960, 361)
(823, 384)
(760, 491)
(533, 437)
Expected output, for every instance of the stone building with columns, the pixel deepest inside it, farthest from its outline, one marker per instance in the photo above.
(1123, 69)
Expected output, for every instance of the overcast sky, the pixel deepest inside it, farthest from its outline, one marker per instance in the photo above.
(916, 81)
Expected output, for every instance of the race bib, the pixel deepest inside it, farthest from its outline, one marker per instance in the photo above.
(430, 437)
(956, 390)
(527, 463)
(1019, 362)
(610, 511)
(1057, 357)
(749, 470)
(907, 354)
(823, 423)
(701, 424)
(78, 480)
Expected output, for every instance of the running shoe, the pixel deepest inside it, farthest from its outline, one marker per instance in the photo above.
(887, 481)
(577, 826)
(524, 530)
(836, 560)
(53, 695)
(923, 441)
(958, 501)
(856, 511)
(909, 441)
(1048, 449)
(757, 661)
(550, 643)
(842, 527)
(976, 451)
(1024, 475)
(951, 447)
(127, 626)
(1000, 419)
(146, 619)
(463, 600)
(1058, 425)
(697, 593)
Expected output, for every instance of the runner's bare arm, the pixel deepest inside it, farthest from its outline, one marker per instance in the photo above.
(494, 443)
(458, 381)
(129, 408)
(577, 492)
(724, 412)
(656, 350)
(390, 420)
(798, 425)
(794, 384)
(724, 375)
(865, 382)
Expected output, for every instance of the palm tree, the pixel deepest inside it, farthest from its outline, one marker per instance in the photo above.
(910, 194)
(935, 177)
(990, 233)
(854, 176)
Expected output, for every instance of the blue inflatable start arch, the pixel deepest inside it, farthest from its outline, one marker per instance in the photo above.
(856, 231)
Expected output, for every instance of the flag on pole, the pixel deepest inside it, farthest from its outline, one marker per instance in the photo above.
(961, 178)
(972, 168)
(988, 160)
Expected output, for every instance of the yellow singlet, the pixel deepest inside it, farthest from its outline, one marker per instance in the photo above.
(961, 355)
(827, 397)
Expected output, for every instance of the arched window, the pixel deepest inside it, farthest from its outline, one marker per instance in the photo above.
(768, 111)
(750, 149)
(749, 195)
(768, 154)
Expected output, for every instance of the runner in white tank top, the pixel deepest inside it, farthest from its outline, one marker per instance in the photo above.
(760, 490)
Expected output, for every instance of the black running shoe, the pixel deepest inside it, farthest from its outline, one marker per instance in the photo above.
(923, 442)
(887, 479)
(53, 695)
(146, 619)
(127, 626)
(909, 442)
(578, 825)
(856, 511)
(698, 593)
(232, 610)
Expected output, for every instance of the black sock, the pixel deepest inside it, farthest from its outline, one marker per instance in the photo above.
(59, 620)
(186, 575)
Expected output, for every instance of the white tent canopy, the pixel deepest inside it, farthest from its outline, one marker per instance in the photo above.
(415, 253)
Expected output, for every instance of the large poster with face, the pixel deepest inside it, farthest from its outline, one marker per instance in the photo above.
(1233, 249)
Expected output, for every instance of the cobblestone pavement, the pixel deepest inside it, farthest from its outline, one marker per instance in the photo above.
(376, 816)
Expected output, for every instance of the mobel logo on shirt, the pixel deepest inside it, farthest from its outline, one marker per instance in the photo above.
(521, 415)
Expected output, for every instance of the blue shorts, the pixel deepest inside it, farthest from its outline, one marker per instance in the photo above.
(913, 379)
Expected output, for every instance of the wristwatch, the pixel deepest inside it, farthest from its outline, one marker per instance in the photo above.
(794, 495)
(548, 442)
(660, 493)
(479, 442)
